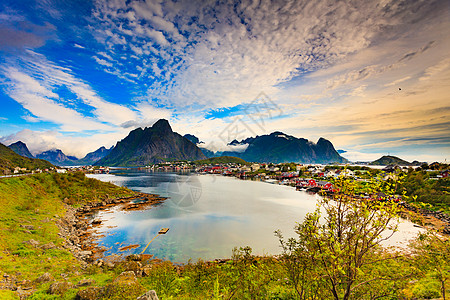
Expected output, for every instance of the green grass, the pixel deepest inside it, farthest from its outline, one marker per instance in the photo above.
(40, 200)
(222, 160)
(10, 159)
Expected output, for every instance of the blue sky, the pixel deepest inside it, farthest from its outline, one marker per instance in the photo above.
(371, 76)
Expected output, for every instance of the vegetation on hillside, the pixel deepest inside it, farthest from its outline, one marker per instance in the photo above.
(221, 160)
(10, 160)
(390, 160)
(428, 190)
(336, 254)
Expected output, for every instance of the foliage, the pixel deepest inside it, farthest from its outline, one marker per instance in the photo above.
(9, 160)
(221, 160)
(433, 260)
(433, 191)
(336, 250)
(31, 206)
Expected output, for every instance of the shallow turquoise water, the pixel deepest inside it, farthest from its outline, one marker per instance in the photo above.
(208, 215)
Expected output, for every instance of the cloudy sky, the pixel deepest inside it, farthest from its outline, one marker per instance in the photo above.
(373, 77)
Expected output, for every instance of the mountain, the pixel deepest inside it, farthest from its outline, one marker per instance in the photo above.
(278, 147)
(390, 160)
(151, 145)
(21, 149)
(58, 158)
(10, 159)
(192, 138)
(208, 153)
(92, 157)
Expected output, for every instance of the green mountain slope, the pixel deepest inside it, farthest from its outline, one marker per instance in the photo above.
(390, 160)
(10, 159)
(222, 160)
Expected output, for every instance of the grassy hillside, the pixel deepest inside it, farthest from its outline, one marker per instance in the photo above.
(390, 160)
(222, 160)
(9, 160)
(31, 206)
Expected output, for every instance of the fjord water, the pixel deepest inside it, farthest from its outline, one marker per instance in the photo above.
(208, 215)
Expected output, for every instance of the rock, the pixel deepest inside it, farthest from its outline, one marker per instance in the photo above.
(96, 222)
(134, 266)
(127, 277)
(85, 282)
(46, 277)
(32, 243)
(25, 284)
(29, 227)
(146, 270)
(48, 246)
(110, 265)
(59, 288)
(150, 295)
(85, 253)
(134, 257)
(90, 293)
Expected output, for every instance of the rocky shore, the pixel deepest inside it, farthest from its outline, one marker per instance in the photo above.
(77, 225)
(437, 219)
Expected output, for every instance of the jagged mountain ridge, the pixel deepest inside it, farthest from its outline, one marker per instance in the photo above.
(94, 156)
(151, 145)
(278, 147)
(58, 158)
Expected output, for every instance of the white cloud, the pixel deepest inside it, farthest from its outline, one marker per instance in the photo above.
(39, 100)
(40, 141)
(33, 86)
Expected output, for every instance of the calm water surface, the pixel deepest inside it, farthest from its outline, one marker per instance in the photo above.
(208, 215)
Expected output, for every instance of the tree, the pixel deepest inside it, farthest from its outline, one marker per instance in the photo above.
(339, 243)
(433, 257)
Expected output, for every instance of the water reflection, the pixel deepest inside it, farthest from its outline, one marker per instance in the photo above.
(207, 215)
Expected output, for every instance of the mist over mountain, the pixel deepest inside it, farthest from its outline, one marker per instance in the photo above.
(278, 147)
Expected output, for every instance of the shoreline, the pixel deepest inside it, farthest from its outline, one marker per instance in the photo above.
(81, 230)
(77, 227)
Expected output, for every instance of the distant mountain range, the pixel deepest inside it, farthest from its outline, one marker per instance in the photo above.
(278, 147)
(10, 159)
(159, 144)
(93, 157)
(152, 145)
(58, 158)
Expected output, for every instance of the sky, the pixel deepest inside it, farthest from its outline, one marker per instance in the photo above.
(373, 77)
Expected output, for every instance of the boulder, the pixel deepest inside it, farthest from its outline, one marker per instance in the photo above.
(32, 242)
(59, 288)
(90, 293)
(28, 227)
(127, 277)
(48, 246)
(85, 282)
(46, 277)
(150, 295)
